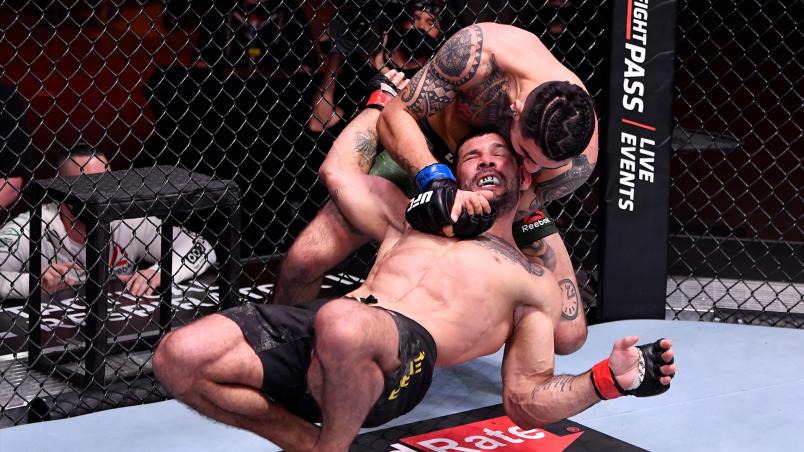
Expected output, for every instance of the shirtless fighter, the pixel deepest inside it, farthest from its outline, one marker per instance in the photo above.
(368, 357)
(492, 90)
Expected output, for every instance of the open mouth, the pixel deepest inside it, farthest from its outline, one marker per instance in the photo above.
(488, 181)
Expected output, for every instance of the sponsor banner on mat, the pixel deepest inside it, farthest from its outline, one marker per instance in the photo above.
(486, 429)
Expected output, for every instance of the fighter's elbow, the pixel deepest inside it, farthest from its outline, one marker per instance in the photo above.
(325, 171)
(521, 411)
(571, 342)
(329, 175)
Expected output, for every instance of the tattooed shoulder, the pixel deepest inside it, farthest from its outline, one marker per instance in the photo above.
(563, 184)
(508, 251)
(459, 57)
(436, 85)
(487, 102)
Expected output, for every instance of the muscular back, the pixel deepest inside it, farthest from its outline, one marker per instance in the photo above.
(465, 293)
(476, 76)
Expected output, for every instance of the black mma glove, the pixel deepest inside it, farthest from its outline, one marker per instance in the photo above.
(430, 210)
(650, 361)
(379, 91)
(469, 226)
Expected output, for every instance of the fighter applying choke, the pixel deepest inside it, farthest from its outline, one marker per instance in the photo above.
(276, 370)
(491, 76)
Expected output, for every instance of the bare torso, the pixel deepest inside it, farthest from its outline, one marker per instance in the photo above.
(513, 62)
(465, 293)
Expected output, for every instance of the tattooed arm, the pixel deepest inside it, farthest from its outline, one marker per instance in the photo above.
(533, 396)
(434, 87)
(549, 185)
(371, 204)
(550, 252)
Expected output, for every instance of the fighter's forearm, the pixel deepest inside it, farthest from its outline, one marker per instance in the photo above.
(562, 184)
(355, 147)
(546, 402)
(402, 138)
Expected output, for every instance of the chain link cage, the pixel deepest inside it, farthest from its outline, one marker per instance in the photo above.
(184, 115)
(158, 102)
(736, 229)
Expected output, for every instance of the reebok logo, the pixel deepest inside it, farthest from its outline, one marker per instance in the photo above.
(535, 221)
(537, 215)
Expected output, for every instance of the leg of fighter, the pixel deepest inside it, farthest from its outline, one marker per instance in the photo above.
(329, 238)
(325, 242)
(354, 349)
(209, 366)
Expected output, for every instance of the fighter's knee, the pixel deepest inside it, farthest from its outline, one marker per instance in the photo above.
(169, 363)
(340, 329)
(180, 358)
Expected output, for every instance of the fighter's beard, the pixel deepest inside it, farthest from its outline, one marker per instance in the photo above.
(505, 201)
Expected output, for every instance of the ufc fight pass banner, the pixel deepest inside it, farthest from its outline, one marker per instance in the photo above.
(636, 159)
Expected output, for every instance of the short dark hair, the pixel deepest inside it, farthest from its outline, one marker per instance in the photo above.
(79, 150)
(560, 116)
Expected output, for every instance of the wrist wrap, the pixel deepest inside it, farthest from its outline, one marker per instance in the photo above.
(603, 381)
(536, 226)
(379, 99)
(432, 173)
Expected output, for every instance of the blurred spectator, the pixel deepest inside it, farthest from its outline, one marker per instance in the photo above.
(510, 12)
(64, 243)
(412, 40)
(384, 34)
(15, 158)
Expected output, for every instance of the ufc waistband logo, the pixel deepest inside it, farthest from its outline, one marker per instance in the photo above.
(421, 198)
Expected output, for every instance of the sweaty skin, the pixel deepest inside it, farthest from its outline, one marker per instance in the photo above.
(477, 79)
(481, 77)
(471, 295)
(452, 276)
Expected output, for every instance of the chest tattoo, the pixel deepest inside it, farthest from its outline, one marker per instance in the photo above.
(506, 250)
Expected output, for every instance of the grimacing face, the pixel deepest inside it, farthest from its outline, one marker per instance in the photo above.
(486, 162)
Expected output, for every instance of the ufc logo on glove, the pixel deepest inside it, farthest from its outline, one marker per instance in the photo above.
(420, 199)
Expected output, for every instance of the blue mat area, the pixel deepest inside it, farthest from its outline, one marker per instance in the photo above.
(738, 388)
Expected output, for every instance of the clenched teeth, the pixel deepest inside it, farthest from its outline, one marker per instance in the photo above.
(489, 180)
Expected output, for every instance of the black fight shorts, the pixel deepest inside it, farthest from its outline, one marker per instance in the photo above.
(283, 338)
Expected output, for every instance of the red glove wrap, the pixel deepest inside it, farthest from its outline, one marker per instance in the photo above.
(379, 99)
(603, 381)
